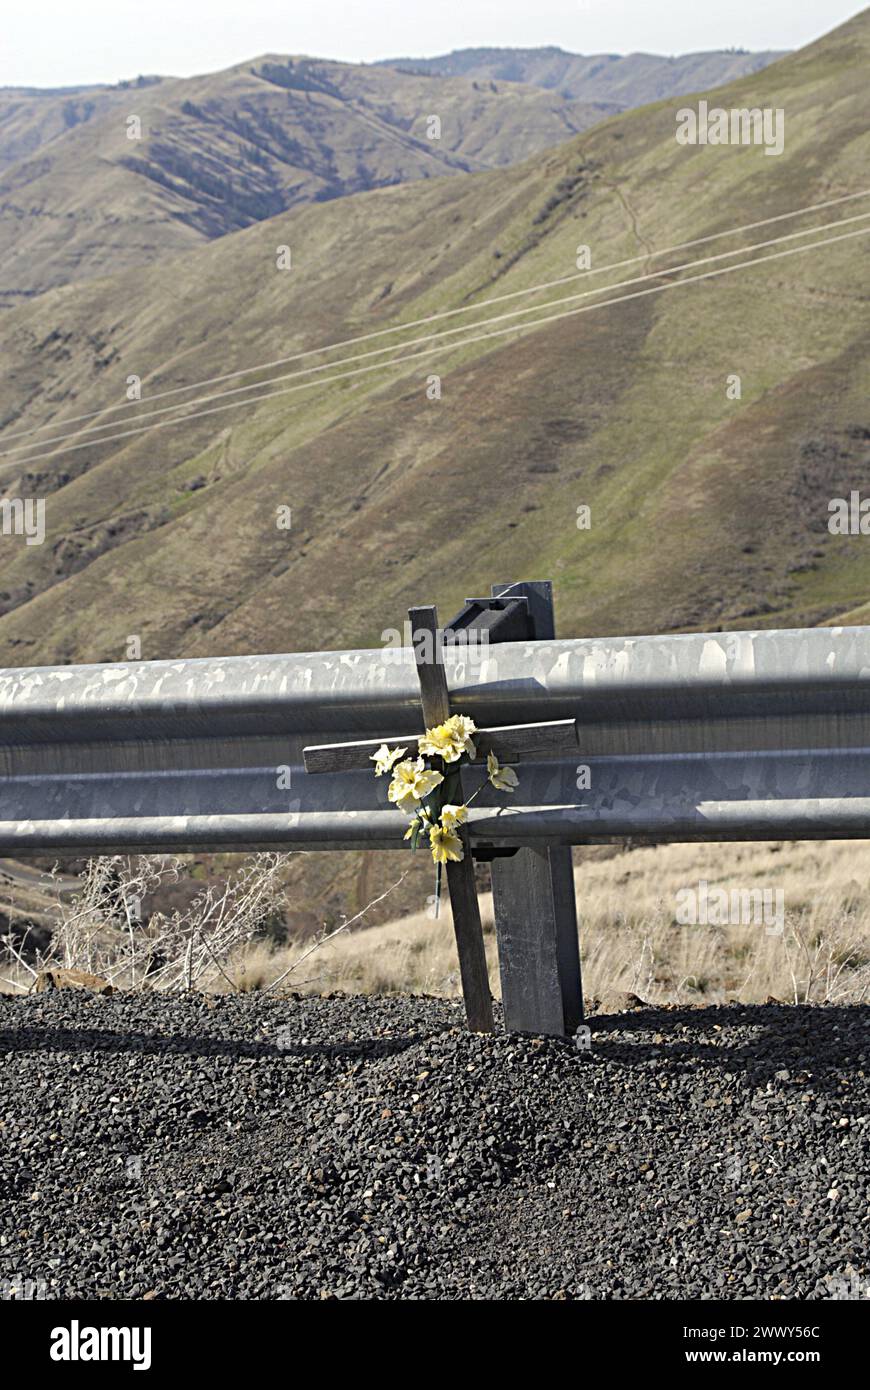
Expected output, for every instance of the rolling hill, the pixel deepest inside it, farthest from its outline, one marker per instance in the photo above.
(213, 154)
(623, 79)
(706, 511)
(221, 152)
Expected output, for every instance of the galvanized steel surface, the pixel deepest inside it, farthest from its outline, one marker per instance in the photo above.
(721, 735)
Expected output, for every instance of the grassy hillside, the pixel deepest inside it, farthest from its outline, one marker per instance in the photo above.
(78, 198)
(706, 511)
(31, 117)
(220, 152)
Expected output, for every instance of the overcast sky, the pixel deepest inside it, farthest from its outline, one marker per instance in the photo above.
(64, 42)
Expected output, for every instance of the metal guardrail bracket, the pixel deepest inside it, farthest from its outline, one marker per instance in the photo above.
(502, 620)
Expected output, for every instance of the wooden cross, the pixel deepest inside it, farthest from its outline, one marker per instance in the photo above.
(511, 744)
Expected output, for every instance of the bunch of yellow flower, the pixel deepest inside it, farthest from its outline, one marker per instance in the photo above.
(450, 739)
(413, 786)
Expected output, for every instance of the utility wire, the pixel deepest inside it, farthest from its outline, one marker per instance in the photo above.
(444, 333)
(443, 314)
(441, 347)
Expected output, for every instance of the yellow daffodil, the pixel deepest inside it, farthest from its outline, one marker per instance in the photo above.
(450, 739)
(385, 757)
(462, 728)
(504, 779)
(451, 816)
(440, 742)
(445, 845)
(411, 782)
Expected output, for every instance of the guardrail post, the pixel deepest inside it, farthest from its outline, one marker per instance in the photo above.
(533, 898)
(538, 950)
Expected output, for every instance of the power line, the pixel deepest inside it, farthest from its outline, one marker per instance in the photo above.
(445, 313)
(465, 342)
(445, 333)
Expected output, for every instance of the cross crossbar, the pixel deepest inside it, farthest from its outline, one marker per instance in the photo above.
(511, 743)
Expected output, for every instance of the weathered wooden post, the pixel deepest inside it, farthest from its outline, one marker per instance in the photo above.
(460, 877)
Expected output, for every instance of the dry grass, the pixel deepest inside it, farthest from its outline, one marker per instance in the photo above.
(101, 931)
(630, 939)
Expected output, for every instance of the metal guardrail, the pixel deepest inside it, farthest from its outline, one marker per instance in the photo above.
(696, 737)
(710, 736)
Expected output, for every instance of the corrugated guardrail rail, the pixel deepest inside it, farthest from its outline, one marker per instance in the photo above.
(713, 736)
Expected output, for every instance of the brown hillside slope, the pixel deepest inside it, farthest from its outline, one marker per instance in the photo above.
(705, 511)
(222, 151)
(79, 199)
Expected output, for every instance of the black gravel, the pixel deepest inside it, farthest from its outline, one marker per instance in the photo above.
(250, 1148)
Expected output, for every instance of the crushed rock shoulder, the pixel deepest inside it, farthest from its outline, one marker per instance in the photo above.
(242, 1147)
